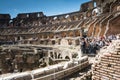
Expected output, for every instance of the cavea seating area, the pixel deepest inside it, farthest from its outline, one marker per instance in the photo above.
(36, 28)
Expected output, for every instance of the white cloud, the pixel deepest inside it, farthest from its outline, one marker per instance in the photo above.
(16, 10)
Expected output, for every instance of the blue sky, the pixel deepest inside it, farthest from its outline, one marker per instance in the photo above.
(48, 7)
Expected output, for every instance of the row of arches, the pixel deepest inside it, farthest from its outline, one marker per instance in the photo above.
(61, 54)
(104, 25)
(58, 55)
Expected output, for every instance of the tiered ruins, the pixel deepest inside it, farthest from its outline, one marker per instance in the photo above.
(34, 40)
(36, 28)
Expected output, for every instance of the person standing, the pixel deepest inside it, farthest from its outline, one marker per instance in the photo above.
(83, 46)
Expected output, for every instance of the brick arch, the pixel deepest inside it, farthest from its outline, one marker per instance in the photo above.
(107, 8)
(55, 54)
(71, 33)
(59, 56)
(77, 33)
(51, 55)
(67, 57)
(64, 34)
(51, 35)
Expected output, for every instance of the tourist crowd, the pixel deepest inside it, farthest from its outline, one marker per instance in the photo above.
(92, 45)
